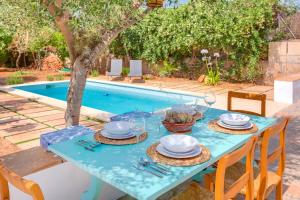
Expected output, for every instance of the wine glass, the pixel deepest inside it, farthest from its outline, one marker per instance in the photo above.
(210, 98)
(137, 125)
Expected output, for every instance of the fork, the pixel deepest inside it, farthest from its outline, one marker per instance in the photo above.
(84, 146)
(90, 143)
(141, 168)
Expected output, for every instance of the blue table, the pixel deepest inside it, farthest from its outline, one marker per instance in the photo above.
(113, 164)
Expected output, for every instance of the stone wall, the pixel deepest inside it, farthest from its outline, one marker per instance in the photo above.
(283, 59)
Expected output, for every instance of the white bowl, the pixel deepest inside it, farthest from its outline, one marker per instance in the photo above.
(179, 143)
(118, 127)
(235, 119)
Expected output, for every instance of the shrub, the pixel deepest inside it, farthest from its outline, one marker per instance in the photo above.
(94, 73)
(14, 79)
(125, 71)
(167, 69)
(59, 77)
(50, 78)
(22, 73)
(5, 40)
(237, 29)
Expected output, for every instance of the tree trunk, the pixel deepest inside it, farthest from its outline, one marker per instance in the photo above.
(18, 60)
(77, 84)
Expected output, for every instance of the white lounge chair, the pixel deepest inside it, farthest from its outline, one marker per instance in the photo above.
(116, 68)
(136, 69)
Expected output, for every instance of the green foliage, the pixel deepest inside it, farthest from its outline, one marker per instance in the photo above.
(237, 29)
(94, 73)
(48, 37)
(50, 78)
(22, 73)
(57, 77)
(125, 71)
(5, 40)
(167, 69)
(14, 79)
(213, 77)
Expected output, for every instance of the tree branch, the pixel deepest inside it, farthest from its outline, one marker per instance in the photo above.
(110, 35)
(62, 21)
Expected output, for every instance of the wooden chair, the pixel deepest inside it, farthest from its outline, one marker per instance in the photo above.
(26, 186)
(249, 96)
(265, 180)
(195, 192)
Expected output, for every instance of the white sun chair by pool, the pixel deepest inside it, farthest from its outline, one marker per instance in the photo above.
(136, 69)
(116, 68)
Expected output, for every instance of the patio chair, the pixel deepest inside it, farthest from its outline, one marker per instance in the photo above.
(116, 68)
(26, 186)
(249, 96)
(265, 180)
(194, 191)
(136, 69)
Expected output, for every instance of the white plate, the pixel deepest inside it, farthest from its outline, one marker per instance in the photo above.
(117, 136)
(179, 143)
(160, 149)
(118, 127)
(235, 119)
(244, 127)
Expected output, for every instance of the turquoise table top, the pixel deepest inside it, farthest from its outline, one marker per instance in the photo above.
(113, 164)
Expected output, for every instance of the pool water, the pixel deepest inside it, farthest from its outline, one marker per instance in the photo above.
(112, 98)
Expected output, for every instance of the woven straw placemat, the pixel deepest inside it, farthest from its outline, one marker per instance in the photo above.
(214, 126)
(104, 140)
(179, 162)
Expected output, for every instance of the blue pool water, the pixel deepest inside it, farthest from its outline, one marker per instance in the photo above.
(112, 98)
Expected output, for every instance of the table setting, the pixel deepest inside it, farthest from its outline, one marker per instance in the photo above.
(141, 150)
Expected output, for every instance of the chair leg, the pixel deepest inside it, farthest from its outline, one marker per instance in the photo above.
(279, 191)
(208, 182)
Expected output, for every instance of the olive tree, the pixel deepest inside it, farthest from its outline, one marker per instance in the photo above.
(89, 27)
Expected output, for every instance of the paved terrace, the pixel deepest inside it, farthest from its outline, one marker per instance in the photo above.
(195, 86)
(22, 122)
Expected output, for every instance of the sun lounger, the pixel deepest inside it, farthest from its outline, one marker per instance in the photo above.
(116, 68)
(136, 69)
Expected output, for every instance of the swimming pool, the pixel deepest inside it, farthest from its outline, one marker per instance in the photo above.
(112, 98)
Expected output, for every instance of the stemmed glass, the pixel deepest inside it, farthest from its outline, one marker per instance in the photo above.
(137, 125)
(210, 99)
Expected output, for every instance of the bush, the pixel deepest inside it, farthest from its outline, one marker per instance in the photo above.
(237, 29)
(50, 78)
(125, 71)
(94, 73)
(14, 79)
(5, 40)
(57, 77)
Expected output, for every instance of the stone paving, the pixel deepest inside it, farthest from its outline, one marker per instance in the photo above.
(22, 122)
(195, 86)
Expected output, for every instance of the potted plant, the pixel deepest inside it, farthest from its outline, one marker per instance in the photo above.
(176, 122)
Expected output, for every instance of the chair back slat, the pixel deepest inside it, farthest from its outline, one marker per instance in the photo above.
(237, 186)
(267, 157)
(246, 180)
(26, 186)
(250, 96)
(275, 155)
